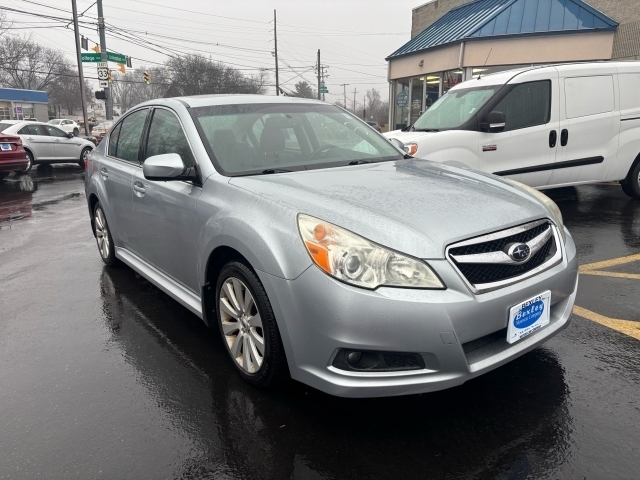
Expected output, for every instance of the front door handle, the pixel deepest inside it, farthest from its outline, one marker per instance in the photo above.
(138, 187)
(104, 174)
(564, 137)
(57, 140)
(553, 138)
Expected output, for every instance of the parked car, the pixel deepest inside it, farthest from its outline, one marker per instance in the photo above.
(321, 250)
(68, 126)
(101, 128)
(46, 143)
(374, 125)
(12, 156)
(547, 126)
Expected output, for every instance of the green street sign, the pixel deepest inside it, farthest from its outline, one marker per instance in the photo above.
(116, 57)
(324, 90)
(90, 57)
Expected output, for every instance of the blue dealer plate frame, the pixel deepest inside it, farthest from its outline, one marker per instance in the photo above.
(5, 147)
(529, 316)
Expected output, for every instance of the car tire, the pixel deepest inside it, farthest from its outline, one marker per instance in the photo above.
(247, 324)
(30, 166)
(75, 132)
(103, 237)
(83, 156)
(631, 184)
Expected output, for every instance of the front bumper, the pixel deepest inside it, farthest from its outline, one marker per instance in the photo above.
(318, 315)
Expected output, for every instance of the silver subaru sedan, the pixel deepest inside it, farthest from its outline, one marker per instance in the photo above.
(321, 251)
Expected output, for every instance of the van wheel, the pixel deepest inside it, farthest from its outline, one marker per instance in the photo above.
(631, 184)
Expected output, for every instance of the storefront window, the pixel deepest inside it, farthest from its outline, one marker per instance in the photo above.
(401, 104)
(23, 111)
(417, 87)
(433, 91)
(450, 79)
(5, 111)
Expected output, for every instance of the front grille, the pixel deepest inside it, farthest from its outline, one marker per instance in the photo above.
(481, 342)
(483, 276)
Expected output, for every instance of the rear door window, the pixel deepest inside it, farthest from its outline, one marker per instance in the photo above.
(130, 136)
(53, 131)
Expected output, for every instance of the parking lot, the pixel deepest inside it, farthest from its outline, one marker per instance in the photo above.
(104, 376)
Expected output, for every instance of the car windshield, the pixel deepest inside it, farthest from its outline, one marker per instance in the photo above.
(270, 138)
(454, 108)
(4, 126)
(54, 122)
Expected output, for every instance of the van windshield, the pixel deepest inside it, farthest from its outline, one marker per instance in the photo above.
(454, 108)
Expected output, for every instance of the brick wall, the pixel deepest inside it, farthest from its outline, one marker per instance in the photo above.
(626, 44)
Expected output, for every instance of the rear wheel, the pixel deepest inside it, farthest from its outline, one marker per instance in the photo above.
(248, 326)
(103, 236)
(631, 184)
(75, 132)
(83, 157)
(30, 164)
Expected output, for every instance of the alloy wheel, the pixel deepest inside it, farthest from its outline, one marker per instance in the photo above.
(102, 234)
(241, 325)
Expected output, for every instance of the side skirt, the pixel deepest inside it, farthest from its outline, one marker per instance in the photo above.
(162, 281)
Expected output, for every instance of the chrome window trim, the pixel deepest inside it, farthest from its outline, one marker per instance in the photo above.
(488, 287)
(163, 107)
(115, 124)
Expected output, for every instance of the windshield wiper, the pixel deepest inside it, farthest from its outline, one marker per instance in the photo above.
(426, 130)
(359, 162)
(275, 170)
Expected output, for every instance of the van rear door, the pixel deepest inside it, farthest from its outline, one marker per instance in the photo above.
(526, 149)
(589, 123)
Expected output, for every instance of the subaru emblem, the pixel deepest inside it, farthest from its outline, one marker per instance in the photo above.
(519, 252)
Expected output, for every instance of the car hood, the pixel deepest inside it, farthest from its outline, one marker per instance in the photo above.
(414, 206)
(406, 137)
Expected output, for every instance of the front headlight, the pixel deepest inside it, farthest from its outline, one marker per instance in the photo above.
(553, 209)
(360, 262)
(411, 148)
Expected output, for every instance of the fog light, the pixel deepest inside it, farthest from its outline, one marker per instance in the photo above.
(375, 361)
(354, 357)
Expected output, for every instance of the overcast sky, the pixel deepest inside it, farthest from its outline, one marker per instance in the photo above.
(354, 36)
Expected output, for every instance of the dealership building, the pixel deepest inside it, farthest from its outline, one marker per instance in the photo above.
(17, 104)
(455, 40)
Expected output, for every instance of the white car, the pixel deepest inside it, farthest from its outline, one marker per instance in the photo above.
(101, 128)
(546, 126)
(46, 143)
(68, 126)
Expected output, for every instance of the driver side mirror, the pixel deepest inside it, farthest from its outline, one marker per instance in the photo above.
(494, 122)
(70, 135)
(165, 167)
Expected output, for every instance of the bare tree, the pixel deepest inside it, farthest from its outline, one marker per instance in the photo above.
(198, 75)
(129, 89)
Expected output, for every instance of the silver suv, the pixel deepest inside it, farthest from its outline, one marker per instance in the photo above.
(322, 251)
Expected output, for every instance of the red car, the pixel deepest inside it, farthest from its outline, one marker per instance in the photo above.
(12, 155)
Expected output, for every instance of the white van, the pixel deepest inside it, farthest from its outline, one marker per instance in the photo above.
(547, 126)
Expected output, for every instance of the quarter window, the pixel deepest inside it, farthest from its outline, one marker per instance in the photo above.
(166, 136)
(130, 133)
(527, 105)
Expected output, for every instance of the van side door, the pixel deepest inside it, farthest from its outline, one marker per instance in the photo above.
(589, 123)
(525, 150)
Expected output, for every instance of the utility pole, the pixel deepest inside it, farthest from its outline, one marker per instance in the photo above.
(74, 7)
(319, 74)
(108, 103)
(364, 107)
(275, 40)
(354, 101)
(344, 93)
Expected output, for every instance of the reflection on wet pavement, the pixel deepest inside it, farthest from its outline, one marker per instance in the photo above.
(104, 375)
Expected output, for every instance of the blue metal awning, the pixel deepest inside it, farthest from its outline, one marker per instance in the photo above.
(481, 19)
(17, 95)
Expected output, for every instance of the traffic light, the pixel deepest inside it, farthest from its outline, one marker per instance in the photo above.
(84, 42)
(96, 49)
(101, 95)
(147, 77)
(109, 77)
(122, 68)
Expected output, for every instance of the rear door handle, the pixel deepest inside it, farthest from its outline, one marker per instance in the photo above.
(564, 137)
(138, 187)
(104, 174)
(553, 138)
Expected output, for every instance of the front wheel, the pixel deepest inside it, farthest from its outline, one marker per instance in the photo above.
(248, 326)
(29, 164)
(631, 184)
(103, 236)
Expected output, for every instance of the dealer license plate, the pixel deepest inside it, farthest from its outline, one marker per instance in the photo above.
(5, 146)
(528, 317)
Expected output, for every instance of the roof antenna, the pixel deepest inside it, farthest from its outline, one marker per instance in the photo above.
(485, 64)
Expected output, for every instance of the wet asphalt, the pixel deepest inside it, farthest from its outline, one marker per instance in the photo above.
(104, 376)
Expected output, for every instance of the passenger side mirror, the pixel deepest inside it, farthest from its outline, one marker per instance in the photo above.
(398, 144)
(168, 166)
(494, 122)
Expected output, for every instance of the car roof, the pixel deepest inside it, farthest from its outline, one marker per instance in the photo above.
(228, 99)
